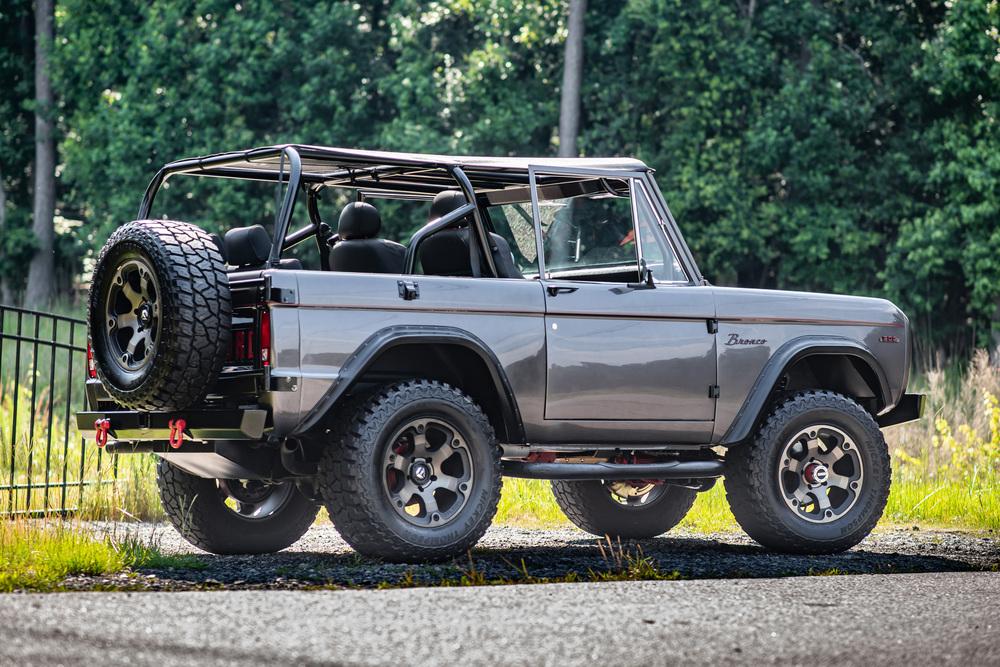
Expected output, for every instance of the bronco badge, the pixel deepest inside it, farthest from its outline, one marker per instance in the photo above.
(734, 339)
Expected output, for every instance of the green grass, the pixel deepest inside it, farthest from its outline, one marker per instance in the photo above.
(973, 505)
(39, 555)
(529, 503)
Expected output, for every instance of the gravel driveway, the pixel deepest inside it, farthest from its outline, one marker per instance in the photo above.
(322, 559)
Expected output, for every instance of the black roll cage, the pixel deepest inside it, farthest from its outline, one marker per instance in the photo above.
(224, 166)
(482, 181)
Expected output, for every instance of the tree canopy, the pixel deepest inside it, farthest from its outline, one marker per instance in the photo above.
(847, 145)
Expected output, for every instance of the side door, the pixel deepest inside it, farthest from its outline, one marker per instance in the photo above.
(620, 351)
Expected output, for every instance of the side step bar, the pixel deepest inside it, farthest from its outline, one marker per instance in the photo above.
(591, 471)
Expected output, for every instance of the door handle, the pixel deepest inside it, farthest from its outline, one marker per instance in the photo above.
(560, 289)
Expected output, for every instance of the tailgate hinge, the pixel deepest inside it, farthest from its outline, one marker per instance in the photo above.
(283, 383)
(281, 295)
(277, 294)
(713, 391)
(713, 325)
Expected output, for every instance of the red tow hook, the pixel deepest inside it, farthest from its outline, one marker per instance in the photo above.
(176, 438)
(102, 426)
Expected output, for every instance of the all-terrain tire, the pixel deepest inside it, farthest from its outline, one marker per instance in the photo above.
(351, 473)
(196, 507)
(754, 491)
(189, 319)
(592, 508)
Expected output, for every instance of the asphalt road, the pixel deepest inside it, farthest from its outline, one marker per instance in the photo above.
(912, 619)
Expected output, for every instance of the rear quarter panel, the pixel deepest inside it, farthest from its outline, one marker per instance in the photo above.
(336, 312)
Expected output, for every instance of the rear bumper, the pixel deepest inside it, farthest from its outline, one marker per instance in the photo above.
(909, 407)
(201, 425)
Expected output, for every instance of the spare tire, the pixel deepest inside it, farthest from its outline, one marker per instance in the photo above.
(159, 314)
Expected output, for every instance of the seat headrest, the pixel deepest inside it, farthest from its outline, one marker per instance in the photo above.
(247, 246)
(359, 220)
(444, 203)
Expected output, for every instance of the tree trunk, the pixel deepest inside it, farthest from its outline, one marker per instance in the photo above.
(569, 107)
(41, 271)
(5, 293)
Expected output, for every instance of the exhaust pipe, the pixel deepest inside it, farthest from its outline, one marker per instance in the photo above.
(616, 471)
(293, 458)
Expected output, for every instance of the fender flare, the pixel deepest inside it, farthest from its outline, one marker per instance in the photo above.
(394, 336)
(788, 354)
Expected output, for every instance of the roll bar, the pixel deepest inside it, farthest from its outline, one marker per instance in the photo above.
(286, 208)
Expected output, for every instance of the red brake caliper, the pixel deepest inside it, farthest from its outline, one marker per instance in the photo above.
(176, 437)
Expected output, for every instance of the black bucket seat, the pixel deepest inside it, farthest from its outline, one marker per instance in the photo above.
(446, 253)
(359, 248)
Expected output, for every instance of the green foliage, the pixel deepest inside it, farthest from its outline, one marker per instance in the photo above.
(845, 145)
(951, 251)
(16, 148)
(39, 555)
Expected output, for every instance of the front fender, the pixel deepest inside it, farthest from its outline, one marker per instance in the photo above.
(786, 355)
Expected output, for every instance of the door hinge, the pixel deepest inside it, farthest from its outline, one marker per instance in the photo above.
(713, 325)
(713, 391)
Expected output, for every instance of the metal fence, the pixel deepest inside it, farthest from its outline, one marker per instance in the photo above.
(45, 466)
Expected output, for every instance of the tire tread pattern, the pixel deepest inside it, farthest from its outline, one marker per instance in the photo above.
(343, 480)
(195, 317)
(749, 479)
(576, 504)
(195, 510)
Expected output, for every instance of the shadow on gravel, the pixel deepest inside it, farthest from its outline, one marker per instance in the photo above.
(572, 560)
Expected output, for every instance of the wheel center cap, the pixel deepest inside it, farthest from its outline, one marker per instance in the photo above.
(420, 472)
(815, 473)
(145, 314)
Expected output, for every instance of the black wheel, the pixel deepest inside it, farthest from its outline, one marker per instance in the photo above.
(814, 480)
(632, 510)
(159, 314)
(412, 474)
(232, 516)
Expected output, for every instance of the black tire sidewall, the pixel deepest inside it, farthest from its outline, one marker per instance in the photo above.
(195, 315)
(481, 494)
(875, 484)
(605, 516)
(108, 370)
(197, 509)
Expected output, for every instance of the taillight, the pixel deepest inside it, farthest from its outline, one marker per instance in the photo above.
(91, 364)
(265, 338)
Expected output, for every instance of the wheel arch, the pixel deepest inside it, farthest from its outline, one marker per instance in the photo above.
(448, 354)
(813, 362)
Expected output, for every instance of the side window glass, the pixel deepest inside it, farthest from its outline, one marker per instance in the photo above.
(590, 237)
(659, 255)
(513, 223)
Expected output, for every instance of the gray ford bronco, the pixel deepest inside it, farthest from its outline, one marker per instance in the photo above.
(544, 319)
